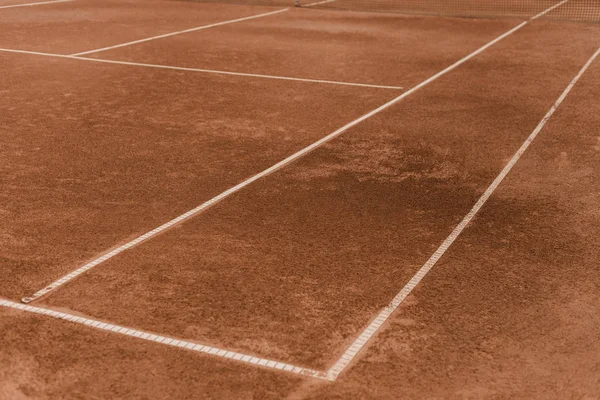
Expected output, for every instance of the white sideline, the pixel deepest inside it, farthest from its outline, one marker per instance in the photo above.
(207, 71)
(36, 4)
(181, 32)
(383, 316)
(168, 341)
(72, 275)
(351, 352)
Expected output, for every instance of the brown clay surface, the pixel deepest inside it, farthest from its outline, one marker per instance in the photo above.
(295, 266)
(512, 310)
(94, 154)
(83, 25)
(15, 2)
(46, 359)
(383, 49)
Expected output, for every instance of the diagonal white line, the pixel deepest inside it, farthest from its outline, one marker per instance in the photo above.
(36, 4)
(212, 71)
(181, 32)
(72, 275)
(168, 341)
(207, 71)
(383, 316)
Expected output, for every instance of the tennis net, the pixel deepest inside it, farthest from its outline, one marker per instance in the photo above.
(574, 10)
(571, 10)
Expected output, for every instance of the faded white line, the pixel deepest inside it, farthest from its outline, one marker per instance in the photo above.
(181, 32)
(169, 341)
(36, 4)
(72, 275)
(318, 3)
(383, 316)
(207, 71)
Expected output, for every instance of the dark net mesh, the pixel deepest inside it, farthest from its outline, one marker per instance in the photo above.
(573, 10)
(570, 10)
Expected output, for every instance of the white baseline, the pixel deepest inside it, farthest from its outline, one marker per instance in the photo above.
(168, 341)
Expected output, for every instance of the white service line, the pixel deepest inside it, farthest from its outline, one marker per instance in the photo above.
(169, 341)
(383, 316)
(181, 32)
(72, 275)
(246, 74)
(36, 4)
(318, 3)
(207, 71)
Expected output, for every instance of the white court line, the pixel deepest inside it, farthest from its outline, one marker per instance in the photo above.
(72, 275)
(207, 71)
(36, 4)
(181, 32)
(169, 341)
(383, 316)
(318, 2)
(212, 71)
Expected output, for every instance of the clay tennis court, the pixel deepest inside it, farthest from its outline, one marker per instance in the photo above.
(348, 199)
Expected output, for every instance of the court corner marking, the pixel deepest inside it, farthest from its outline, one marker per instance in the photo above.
(170, 341)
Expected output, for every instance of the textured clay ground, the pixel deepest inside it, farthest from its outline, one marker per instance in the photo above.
(294, 266)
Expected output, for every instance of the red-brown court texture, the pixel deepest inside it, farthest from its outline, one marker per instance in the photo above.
(117, 117)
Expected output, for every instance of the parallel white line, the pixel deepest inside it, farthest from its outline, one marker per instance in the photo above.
(36, 4)
(383, 316)
(181, 32)
(262, 174)
(168, 341)
(207, 71)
